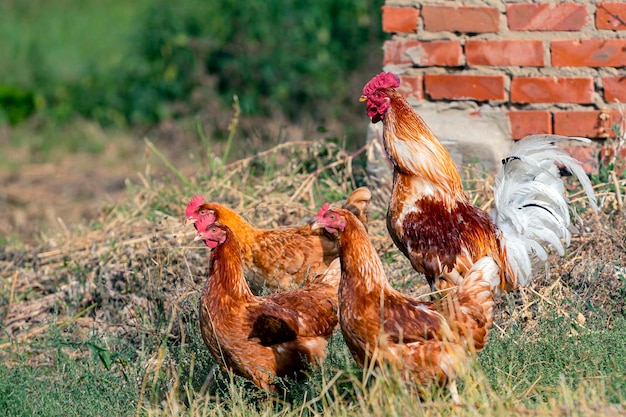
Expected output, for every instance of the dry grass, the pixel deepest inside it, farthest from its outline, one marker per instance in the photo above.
(134, 274)
(118, 260)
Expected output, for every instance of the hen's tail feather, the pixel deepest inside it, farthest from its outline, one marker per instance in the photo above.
(532, 211)
(463, 327)
(480, 282)
(358, 202)
(331, 276)
(469, 311)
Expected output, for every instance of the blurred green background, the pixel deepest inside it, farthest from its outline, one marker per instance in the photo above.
(135, 63)
(83, 82)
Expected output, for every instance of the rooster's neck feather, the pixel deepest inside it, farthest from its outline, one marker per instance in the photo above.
(415, 150)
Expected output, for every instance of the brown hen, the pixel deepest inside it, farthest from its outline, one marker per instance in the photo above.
(283, 258)
(427, 341)
(261, 338)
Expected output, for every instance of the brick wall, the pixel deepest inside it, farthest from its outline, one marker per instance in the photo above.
(552, 67)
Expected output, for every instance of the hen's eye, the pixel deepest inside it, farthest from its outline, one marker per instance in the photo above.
(203, 212)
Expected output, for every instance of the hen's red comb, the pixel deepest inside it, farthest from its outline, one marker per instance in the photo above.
(203, 223)
(194, 203)
(382, 80)
(323, 210)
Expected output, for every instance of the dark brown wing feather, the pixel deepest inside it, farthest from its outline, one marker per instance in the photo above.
(438, 237)
(316, 306)
(271, 329)
(408, 320)
(292, 255)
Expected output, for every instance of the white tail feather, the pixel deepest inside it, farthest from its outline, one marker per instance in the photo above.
(532, 211)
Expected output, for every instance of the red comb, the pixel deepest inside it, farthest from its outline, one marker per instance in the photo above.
(194, 203)
(382, 80)
(203, 223)
(323, 210)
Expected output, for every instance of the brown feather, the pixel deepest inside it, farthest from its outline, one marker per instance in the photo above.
(260, 338)
(430, 218)
(430, 341)
(288, 257)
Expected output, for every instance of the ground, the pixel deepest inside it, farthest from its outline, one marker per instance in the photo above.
(83, 188)
(60, 194)
(72, 187)
(121, 269)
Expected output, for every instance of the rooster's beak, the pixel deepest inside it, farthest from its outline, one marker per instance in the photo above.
(189, 220)
(363, 99)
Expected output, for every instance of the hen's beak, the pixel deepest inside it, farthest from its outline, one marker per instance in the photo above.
(315, 226)
(198, 237)
(363, 99)
(189, 220)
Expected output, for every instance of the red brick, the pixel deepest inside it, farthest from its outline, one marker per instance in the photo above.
(611, 16)
(423, 54)
(529, 122)
(503, 53)
(589, 124)
(400, 19)
(473, 19)
(460, 87)
(586, 155)
(412, 87)
(589, 53)
(552, 90)
(560, 16)
(614, 89)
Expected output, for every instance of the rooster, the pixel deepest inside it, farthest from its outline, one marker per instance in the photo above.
(438, 229)
(261, 338)
(279, 259)
(428, 341)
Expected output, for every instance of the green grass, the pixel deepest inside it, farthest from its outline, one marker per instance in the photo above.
(53, 142)
(136, 272)
(46, 45)
(560, 351)
(63, 40)
(52, 376)
(545, 370)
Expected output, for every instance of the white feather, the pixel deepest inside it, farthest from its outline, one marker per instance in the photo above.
(532, 211)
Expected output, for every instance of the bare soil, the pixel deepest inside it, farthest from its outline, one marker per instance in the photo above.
(55, 196)
(58, 195)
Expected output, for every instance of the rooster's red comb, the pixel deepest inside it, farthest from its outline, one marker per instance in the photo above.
(323, 210)
(382, 80)
(194, 203)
